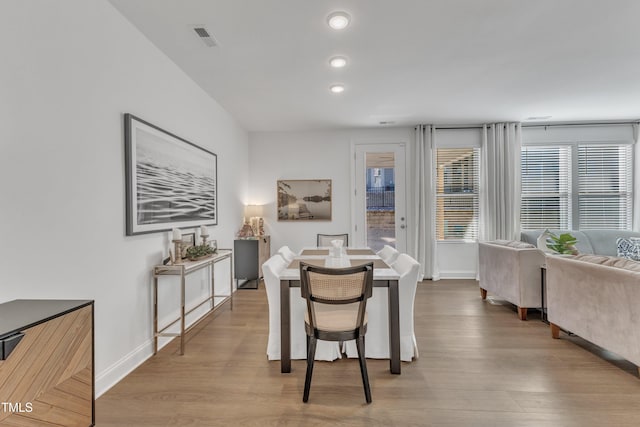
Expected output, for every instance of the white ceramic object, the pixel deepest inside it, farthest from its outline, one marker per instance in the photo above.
(541, 243)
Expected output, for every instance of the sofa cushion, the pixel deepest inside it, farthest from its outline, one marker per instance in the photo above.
(629, 248)
(610, 261)
(513, 244)
(604, 241)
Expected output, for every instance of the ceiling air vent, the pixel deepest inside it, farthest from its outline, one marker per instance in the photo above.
(205, 36)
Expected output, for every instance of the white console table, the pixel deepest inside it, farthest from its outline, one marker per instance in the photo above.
(182, 270)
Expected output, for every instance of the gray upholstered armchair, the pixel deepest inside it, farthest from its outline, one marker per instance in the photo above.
(511, 270)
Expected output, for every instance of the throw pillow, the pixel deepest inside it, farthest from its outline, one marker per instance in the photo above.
(629, 248)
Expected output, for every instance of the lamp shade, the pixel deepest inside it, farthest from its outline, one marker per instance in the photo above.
(251, 211)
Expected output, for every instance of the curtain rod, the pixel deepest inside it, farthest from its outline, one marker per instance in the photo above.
(541, 125)
(580, 124)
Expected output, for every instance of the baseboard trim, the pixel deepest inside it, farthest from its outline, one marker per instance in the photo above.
(123, 367)
(458, 274)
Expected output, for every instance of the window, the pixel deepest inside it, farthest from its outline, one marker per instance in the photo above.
(605, 189)
(577, 186)
(546, 187)
(457, 183)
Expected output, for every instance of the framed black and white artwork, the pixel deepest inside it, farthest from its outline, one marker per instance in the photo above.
(170, 182)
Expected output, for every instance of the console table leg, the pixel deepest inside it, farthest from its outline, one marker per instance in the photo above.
(155, 315)
(182, 298)
(231, 282)
(212, 271)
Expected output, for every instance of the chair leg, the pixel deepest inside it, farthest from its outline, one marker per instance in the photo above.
(311, 356)
(363, 368)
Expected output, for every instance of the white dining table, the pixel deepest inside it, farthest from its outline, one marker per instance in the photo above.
(383, 276)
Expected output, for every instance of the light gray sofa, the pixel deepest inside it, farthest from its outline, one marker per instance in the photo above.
(511, 270)
(599, 242)
(596, 297)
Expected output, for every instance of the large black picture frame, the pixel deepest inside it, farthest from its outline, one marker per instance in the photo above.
(170, 182)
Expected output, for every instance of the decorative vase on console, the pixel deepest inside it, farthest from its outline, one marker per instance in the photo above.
(541, 243)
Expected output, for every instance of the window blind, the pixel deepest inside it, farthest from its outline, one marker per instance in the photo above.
(546, 187)
(577, 186)
(605, 186)
(457, 184)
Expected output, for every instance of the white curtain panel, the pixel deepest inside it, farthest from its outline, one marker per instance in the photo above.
(423, 241)
(500, 186)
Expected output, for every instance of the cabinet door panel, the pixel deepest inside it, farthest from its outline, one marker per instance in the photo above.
(50, 373)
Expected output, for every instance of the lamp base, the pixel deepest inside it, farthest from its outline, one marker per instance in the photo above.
(257, 225)
(246, 231)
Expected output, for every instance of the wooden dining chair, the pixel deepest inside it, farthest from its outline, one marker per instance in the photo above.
(324, 240)
(336, 311)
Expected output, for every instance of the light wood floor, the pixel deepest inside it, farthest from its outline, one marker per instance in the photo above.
(479, 366)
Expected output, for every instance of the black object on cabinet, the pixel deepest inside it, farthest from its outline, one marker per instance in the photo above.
(249, 256)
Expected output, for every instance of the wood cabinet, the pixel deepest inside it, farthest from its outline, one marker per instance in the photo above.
(250, 254)
(46, 375)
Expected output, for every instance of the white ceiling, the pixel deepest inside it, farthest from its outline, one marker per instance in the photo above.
(410, 61)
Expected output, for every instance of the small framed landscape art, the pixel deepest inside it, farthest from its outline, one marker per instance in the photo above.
(188, 239)
(170, 182)
(304, 200)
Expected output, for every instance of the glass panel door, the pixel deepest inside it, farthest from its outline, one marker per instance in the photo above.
(379, 196)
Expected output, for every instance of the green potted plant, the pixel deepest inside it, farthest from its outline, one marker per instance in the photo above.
(563, 244)
(199, 252)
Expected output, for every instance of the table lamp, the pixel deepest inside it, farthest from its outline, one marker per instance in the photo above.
(254, 213)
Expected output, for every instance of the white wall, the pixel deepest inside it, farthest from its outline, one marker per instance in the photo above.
(70, 69)
(308, 155)
(326, 155)
(620, 133)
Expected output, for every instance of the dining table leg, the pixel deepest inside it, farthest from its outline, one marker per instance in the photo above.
(394, 327)
(285, 328)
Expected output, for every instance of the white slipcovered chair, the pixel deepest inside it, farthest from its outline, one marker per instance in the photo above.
(377, 340)
(388, 254)
(271, 270)
(286, 253)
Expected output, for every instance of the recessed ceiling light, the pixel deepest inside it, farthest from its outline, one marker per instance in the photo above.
(338, 20)
(336, 88)
(338, 61)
